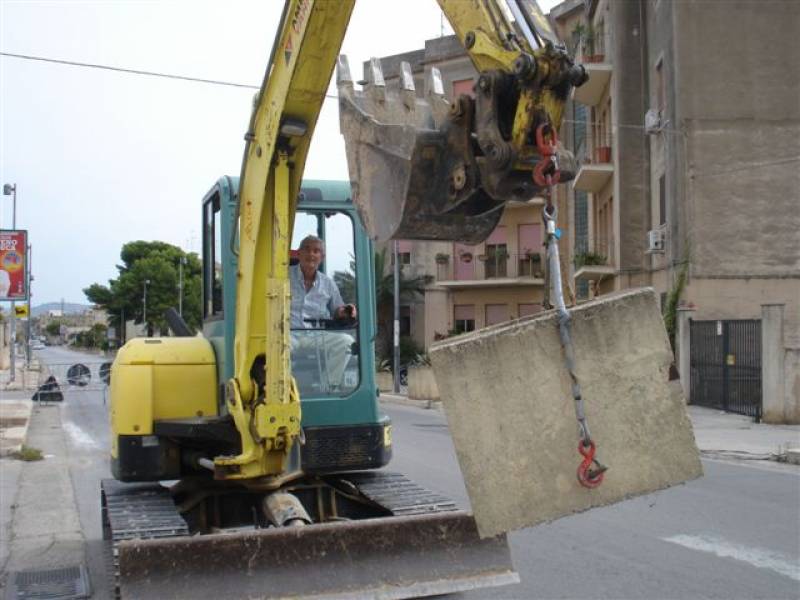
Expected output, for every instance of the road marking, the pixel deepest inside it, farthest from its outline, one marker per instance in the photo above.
(758, 557)
(80, 437)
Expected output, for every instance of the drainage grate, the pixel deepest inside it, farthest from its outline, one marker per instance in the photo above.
(52, 584)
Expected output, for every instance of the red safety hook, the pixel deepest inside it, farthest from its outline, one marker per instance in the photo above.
(586, 476)
(545, 173)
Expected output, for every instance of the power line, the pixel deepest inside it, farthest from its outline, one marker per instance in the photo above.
(72, 63)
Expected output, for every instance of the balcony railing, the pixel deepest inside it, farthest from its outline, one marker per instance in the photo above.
(488, 267)
(595, 157)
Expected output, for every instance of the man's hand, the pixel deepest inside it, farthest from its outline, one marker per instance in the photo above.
(347, 311)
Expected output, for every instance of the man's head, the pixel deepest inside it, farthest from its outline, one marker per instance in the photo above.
(311, 253)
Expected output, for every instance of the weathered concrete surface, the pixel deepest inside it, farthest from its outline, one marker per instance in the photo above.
(422, 384)
(507, 398)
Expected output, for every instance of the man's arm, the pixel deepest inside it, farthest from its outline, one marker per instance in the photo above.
(337, 307)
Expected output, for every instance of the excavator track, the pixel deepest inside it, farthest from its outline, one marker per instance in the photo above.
(146, 511)
(135, 511)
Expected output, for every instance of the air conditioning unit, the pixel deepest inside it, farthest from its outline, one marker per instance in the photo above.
(652, 121)
(655, 241)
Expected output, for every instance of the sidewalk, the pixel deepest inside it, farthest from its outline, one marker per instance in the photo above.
(718, 434)
(39, 522)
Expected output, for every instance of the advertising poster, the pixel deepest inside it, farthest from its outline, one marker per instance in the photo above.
(13, 245)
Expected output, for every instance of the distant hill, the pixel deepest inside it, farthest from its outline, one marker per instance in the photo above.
(69, 308)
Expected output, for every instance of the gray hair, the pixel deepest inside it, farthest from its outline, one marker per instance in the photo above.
(312, 239)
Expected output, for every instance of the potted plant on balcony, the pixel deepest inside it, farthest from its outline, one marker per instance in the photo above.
(604, 154)
(442, 258)
(587, 47)
(536, 263)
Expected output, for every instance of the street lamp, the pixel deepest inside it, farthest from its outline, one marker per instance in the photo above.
(144, 307)
(10, 189)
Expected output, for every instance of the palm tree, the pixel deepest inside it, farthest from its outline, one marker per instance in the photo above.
(410, 288)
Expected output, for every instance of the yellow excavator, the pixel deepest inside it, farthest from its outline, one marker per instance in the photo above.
(238, 471)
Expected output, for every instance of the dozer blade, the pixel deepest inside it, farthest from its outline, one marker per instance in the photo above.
(520, 424)
(383, 558)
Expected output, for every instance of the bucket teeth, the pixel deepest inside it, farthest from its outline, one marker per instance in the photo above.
(440, 107)
(408, 90)
(376, 85)
(343, 77)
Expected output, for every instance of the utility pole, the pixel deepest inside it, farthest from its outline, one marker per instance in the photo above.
(144, 308)
(396, 337)
(11, 190)
(180, 285)
(30, 316)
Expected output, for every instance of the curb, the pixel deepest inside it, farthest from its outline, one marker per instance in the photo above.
(405, 400)
(14, 420)
(793, 456)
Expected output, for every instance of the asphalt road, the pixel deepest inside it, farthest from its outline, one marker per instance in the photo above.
(735, 533)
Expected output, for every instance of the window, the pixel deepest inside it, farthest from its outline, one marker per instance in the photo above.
(403, 252)
(528, 309)
(403, 257)
(212, 258)
(496, 260)
(325, 362)
(496, 313)
(662, 200)
(405, 320)
(463, 318)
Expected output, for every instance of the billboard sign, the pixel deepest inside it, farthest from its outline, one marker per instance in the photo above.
(13, 257)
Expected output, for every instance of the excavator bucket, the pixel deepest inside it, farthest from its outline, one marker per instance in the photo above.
(413, 165)
(381, 558)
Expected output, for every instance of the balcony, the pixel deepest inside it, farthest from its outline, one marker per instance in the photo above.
(502, 270)
(595, 263)
(591, 92)
(596, 167)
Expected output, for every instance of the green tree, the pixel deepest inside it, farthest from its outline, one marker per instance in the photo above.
(158, 263)
(53, 328)
(95, 337)
(410, 288)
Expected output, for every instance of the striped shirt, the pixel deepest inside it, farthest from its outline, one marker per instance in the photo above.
(320, 302)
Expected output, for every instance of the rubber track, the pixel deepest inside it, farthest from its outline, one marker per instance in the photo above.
(146, 510)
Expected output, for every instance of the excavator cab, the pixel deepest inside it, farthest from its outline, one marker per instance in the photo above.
(332, 361)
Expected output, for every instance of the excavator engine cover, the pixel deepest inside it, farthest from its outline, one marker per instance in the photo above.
(427, 169)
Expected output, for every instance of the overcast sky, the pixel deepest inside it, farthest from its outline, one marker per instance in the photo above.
(101, 158)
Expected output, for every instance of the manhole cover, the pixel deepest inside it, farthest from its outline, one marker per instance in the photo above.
(52, 584)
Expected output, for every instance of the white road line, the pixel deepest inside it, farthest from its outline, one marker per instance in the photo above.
(80, 437)
(758, 557)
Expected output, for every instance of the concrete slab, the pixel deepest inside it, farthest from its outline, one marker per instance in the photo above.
(509, 406)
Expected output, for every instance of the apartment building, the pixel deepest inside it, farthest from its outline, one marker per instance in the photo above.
(472, 286)
(688, 137)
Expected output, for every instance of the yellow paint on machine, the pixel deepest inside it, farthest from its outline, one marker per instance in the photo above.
(161, 378)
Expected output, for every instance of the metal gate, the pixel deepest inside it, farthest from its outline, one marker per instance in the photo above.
(726, 365)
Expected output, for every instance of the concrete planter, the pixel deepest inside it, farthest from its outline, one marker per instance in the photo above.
(384, 380)
(422, 384)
